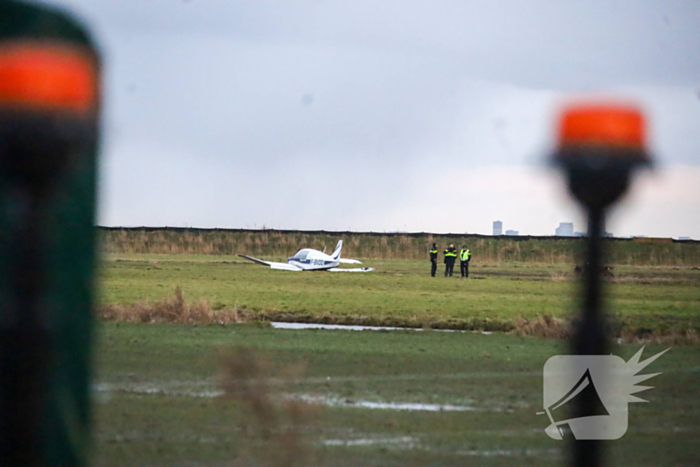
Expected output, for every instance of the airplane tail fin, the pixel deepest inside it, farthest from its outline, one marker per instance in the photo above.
(336, 252)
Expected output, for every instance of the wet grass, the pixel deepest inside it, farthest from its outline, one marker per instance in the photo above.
(644, 301)
(213, 391)
(175, 394)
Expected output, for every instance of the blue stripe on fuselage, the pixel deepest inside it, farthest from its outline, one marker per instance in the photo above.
(310, 262)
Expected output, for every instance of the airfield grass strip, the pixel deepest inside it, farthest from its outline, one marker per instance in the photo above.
(176, 309)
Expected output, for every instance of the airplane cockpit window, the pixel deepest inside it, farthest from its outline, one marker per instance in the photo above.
(301, 255)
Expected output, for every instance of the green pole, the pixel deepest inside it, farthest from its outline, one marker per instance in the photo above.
(49, 111)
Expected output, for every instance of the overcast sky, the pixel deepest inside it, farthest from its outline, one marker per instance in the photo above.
(385, 115)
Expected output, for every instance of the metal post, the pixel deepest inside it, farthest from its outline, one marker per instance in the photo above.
(25, 350)
(591, 337)
(599, 146)
(49, 106)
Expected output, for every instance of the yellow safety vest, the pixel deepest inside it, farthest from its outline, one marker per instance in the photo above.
(464, 255)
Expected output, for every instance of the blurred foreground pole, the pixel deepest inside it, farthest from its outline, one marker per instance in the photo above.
(599, 146)
(49, 73)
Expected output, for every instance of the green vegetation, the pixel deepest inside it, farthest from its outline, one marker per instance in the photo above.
(218, 391)
(504, 297)
(542, 250)
(189, 395)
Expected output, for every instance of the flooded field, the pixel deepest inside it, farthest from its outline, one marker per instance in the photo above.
(254, 395)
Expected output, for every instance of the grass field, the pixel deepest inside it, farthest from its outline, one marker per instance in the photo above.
(206, 394)
(181, 395)
(642, 300)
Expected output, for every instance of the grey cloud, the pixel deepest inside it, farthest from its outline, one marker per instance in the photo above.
(539, 43)
(234, 113)
(248, 100)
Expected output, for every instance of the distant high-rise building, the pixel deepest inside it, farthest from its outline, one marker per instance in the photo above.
(565, 229)
(512, 232)
(498, 228)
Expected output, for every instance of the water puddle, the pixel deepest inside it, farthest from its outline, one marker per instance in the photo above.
(509, 452)
(414, 442)
(404, 442)
(207, 387)
(343, 327)
(354, 327)
(419, 443)
(104, 390)
(365, 404)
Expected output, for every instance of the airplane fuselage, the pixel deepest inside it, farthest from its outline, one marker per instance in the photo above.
(309, 259)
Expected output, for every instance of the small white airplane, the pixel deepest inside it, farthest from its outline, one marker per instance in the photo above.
(308, 259)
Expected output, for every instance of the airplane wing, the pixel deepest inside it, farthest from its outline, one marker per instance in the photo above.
(349, 261)
(272, 264)
(351, 270)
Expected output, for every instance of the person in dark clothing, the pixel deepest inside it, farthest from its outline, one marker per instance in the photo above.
(450, 258)
(464, 257)
(433, 260)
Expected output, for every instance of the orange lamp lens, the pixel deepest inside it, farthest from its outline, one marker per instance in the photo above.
(40, 76)
(606, 125)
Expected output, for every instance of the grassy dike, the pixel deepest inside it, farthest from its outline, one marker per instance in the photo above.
(415, 246)
(643, 302)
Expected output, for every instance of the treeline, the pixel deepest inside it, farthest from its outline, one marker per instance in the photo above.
(284, 243)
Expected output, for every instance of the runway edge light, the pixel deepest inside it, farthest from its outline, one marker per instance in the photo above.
(599, 146)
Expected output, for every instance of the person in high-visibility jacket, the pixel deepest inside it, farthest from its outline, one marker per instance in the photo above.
(450, 258)
(433, 260)
(464, 257)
